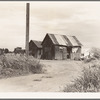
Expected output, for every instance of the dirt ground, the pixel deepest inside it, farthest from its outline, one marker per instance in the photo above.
(59, 74)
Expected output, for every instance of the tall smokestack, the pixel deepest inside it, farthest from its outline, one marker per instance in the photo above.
(27, 28)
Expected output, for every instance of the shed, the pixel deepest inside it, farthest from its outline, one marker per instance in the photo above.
(57, 46)
(35, 48)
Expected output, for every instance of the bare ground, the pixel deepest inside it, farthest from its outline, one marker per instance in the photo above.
(59, 73)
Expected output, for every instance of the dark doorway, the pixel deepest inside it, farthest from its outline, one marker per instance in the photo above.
(69, 49)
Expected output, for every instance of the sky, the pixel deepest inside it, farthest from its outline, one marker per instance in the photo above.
(81, 19)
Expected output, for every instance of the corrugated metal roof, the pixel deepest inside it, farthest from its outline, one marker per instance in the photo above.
(37, 43)
(64, 40)
(73, 41)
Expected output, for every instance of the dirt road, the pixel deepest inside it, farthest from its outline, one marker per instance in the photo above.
(59, 73)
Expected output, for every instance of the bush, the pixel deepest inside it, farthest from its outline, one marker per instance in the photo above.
(15, 65)
(89, 59)
(88, 82)
(94, 55)
(96, 52)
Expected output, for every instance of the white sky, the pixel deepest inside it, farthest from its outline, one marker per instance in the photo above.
(81, 19)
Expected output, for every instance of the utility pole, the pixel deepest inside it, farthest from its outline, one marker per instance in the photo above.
(27, 28)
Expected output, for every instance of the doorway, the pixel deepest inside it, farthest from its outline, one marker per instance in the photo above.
(69, 50)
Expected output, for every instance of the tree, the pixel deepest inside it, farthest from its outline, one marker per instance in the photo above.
(6, 50)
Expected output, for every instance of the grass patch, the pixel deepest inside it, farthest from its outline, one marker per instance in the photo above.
(47, 77)
(37, 80)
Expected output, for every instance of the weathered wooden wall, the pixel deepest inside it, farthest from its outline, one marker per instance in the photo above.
(38, 53)
(34, 51)
(48, 49)
(60, 52)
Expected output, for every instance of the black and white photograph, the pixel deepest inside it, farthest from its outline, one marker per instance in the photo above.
(50, 46)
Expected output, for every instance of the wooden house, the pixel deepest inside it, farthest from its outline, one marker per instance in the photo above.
(35, 48)
(61, 47)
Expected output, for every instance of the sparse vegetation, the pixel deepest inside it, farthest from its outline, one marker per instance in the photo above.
(15, 65)
(89, 81)
(37, 80)
(96, 52)
(47, 77)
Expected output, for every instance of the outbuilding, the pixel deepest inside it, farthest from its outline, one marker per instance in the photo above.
(61, 47)
(35, 48)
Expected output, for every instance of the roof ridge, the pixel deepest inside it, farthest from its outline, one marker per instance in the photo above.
(61, 34)
(36, 40)
(37, 43)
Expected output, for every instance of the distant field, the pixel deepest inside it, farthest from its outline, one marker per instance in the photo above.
(58, 74)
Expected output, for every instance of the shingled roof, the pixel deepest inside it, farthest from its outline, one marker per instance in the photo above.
(64, 40)
(37, 43)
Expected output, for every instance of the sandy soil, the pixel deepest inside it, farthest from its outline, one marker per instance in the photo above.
(59, 73)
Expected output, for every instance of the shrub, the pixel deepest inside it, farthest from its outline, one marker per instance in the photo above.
(96, 52)
(88, 82)
(89, 59)
(14, 65)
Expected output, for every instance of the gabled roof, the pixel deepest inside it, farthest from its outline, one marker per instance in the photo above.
(37, 43)
(64, 40)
